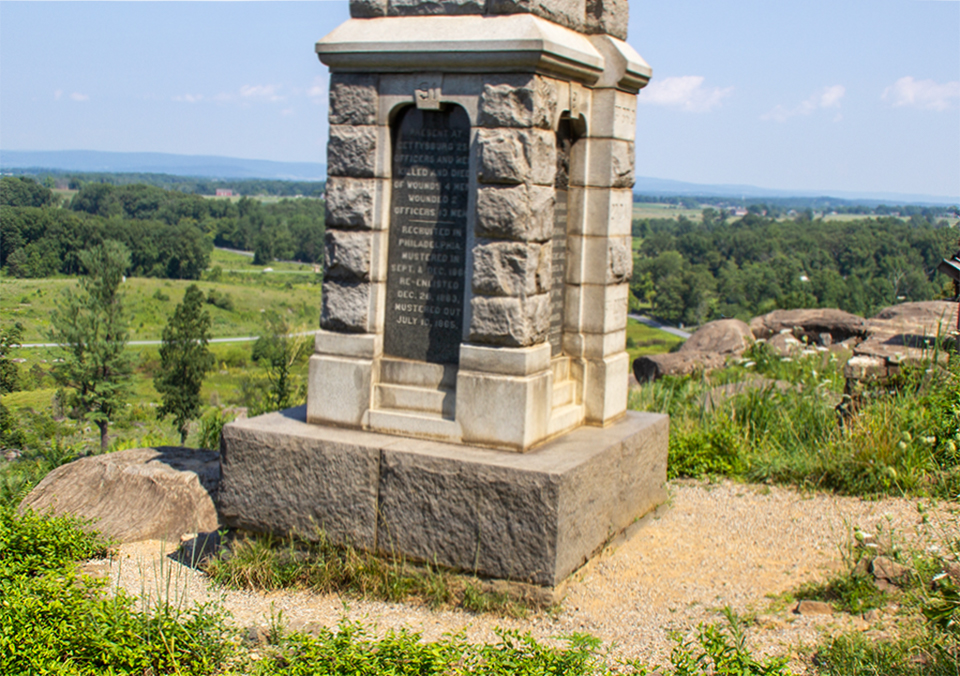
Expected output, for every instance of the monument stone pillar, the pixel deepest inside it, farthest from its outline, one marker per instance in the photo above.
(470, 296)
(468, 390)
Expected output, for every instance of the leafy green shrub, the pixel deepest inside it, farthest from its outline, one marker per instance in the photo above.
(33, 544)
(701, 452)
(224, 301)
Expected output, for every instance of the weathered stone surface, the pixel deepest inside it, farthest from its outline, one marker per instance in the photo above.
(888, 572)
(350, 202)
(517, 156)
(785, 344)
(510, 269)
(608, 16)
(346, 306)
(348, 255)
(622, 158)
(353, 98)
(448, 7)
(524, 213)
(138, 494)
(367, 9)
(533, 517)
(655, 366)
(619, 261)
(569, 13)
(351, 151)
(519, 101)
(281, 475)
(807, 607)
(809, 323)
(725, 336)
(908, 332)
(511, 322)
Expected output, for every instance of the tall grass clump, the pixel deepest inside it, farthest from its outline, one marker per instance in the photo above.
(790, 420)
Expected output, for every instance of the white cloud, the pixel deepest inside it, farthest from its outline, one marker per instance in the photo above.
(189, 98)
(828, 97)
(266, 92)
(319, 89)
(57, 94)
(77, 96)
(924, 94)
(686, 93)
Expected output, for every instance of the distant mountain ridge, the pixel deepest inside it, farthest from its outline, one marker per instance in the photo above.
(202, 166)
(214, 166)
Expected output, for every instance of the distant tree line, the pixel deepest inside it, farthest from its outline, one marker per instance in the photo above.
(168, 233)
(695, 272)
(195, 185)
(779, 207)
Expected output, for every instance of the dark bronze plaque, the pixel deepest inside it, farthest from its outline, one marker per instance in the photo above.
(428, 235)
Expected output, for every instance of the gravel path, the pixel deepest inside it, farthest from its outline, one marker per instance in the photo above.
(710, 546)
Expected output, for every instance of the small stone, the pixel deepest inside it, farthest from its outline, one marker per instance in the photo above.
(345, 306)
(511, 322)
(350, 202)
(509, 269)
(607, 16)
(348, 255)
(519, 101)
(367, 9)
(522, 212)
(351, 151)
(806, 607)
(353, 99)
(871, 615)
(889, 571)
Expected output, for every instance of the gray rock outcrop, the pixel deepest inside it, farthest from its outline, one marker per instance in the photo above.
(138, 494)
(812, 323)
(654, 366)
(723, 336)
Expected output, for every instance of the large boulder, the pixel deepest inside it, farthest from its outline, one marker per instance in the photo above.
(655, 366)
(139, 494)
(814, 324)
(724, 336)
(908, 331)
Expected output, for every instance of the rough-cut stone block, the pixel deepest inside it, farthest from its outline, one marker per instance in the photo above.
(353, 98)
(610, 163)
(367, 9)
(614, 114)
(510, 269)
(351, 151)
(600, 212)
(348, 255)
(138, 494)
(338, 389)
(428, 7)
(350, 202)
(522, 212)
(619, 266)
(519, 101)
(517, 156)
(533, 517)
(281, 475)
(512, 322)
(503, 411)
(608, 16)
(569, 13)
(346, 306)
(605, 388)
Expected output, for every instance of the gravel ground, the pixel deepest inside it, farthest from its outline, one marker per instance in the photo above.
(710, 546)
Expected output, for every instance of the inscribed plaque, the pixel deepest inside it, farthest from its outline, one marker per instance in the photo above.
(428, 226)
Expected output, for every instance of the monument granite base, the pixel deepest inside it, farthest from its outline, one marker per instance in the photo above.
(530, 517)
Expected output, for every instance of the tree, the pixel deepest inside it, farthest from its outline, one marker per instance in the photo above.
(184, 361)
(9, 375)
(91, 330)
(278, 350)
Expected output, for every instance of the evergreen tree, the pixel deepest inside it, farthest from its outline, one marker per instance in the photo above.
(184, 361)
(9, 374)
(91, 330)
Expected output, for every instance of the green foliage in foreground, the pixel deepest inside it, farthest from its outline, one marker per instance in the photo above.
(772, 419)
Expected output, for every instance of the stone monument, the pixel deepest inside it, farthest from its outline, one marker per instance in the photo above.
(468, 391)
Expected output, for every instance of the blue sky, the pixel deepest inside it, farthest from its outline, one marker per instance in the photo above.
(853, 95)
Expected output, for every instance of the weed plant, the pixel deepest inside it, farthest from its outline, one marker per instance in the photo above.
(788, 421)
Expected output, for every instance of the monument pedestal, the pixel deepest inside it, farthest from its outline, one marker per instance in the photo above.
(531, 517)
